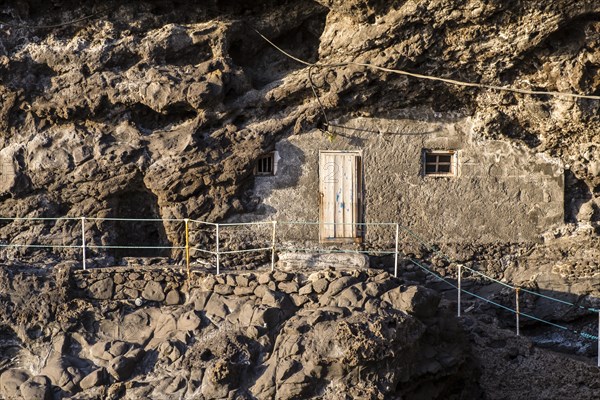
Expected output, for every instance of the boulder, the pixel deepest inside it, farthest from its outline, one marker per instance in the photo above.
(288, 287)
(173, 298)
(165, 324)
(136, 327)
(320, 285)
(189, 321)
(200, 298)
(216, 307)
(268, 317)
(223, 289)
(277, 299)
(102, 289)
(122, 367)
(11, 380)
(244, 280)
(281, 276)
(153, 291)
(306, 289)
(95, 378)
(170, 350)
(265, 278)
(416, 300)
(36, 388)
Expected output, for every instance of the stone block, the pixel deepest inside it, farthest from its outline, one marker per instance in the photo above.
(173, 298)
(153, 291)
(102, 289)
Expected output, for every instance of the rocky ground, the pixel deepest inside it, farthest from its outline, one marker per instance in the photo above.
(332, 333)
(327, 334)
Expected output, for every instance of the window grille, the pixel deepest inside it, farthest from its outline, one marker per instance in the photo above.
(439, 163)
(265, 165)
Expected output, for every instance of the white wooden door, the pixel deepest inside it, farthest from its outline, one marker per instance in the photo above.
(340, 188)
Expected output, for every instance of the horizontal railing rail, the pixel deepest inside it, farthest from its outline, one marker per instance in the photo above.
(270, 244)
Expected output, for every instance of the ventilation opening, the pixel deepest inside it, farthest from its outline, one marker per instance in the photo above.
(266, 164)
(134, 237)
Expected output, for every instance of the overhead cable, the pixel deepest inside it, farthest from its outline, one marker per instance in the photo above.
(431, 77)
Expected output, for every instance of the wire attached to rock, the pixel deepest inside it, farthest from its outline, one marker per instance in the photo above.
(412, 75)
(434, 78)
(71, 22)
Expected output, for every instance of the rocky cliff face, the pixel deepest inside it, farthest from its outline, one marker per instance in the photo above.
(160, 108)
(171, 102)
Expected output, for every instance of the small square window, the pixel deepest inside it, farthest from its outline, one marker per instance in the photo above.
(265, 165)
(439, 162)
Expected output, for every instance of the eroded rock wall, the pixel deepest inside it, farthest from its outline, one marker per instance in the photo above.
(135, 333)
(174, 101)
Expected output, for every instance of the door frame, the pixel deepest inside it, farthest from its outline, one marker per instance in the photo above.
(359, 230)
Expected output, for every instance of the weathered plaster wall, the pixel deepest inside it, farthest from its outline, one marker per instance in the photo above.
(502, 192)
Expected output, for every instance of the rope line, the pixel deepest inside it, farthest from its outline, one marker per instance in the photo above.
(203, 251)
(135, 219)
(439, 277)
(440, 253)
(488, 277)
(557, 300)
(39, 219)
(71, 22)
(581, 333)
(41, 246)
(245, 251)
(134, 247)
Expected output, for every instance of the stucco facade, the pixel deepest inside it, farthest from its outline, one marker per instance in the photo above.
(500, 192)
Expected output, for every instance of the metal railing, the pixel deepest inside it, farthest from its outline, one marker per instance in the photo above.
(274, 239)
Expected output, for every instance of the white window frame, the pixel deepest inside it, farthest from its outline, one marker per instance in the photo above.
(274, 156)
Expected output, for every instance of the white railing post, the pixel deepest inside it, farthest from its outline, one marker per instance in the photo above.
(396, 253)
(518, 311)
(187, 246)
(83, 241)
(459, 287)
(273, 247)
(218, 252)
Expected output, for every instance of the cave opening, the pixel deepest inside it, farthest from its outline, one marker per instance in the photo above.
(133, 238)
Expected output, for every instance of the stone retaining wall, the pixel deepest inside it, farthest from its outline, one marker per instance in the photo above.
(162, 284)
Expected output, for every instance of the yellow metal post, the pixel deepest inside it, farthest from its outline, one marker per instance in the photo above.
(518, 310)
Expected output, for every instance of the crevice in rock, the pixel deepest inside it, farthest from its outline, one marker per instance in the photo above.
(577, 193)
(122, 60)
(148, 120)
(191, 55)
